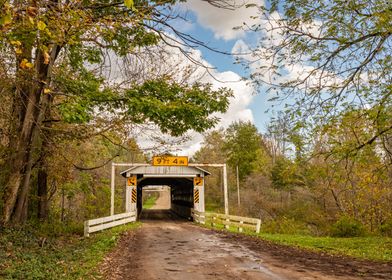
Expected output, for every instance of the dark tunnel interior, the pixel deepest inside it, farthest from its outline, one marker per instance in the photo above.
(181, 194)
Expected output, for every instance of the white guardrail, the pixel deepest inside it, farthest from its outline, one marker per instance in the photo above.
(94, 225)
(228, 221)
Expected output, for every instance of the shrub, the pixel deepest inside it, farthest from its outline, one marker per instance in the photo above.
(310, 214)
(386, 228)
(347, 227)
(285, 225)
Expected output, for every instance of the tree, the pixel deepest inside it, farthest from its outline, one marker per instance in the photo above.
(330, 57)
(243, 145)
(212, 151)
(52, 61)
(286, 175)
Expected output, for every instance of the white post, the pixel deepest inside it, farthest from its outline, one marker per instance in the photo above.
(196, 196)
(238, 188)
(112, 184)
(128, 192)
(202, 202)
(131, 193)
(225, 190)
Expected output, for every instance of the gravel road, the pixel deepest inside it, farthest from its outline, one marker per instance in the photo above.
(169, 249)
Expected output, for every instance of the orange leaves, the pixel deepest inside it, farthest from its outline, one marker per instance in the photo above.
(32, 11)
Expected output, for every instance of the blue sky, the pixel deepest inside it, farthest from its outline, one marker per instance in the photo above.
(215, 27)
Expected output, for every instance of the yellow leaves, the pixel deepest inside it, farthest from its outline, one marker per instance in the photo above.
(16, 43)
(383, 20)
(6, 19)
(129, 4)
(46, 57)
(31, 20)
(25, 64)
(41, 25)
(6, 15)
(47, 90)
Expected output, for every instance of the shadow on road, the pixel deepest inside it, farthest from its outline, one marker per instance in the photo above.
(162, 215)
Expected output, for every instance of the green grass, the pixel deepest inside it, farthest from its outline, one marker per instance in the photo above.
(150, 202)
(29, 254)
(368, 248)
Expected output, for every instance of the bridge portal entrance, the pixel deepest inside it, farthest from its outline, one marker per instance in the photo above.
(186, 187)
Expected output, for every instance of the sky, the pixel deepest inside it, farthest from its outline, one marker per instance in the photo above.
(215, 27)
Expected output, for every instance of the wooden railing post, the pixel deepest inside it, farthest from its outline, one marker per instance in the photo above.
(258, 226)
(86, 229)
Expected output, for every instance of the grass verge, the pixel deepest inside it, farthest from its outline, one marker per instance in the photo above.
(28, 254)
(367, 248)
(150, 202)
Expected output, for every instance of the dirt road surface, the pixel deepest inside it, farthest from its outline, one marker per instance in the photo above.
(163, 201)
(179, 250)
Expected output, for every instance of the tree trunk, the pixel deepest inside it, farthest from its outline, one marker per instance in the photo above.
(62, 205)
(19, 159)
(43, 193)
(30, 118)
(36, 148)
(21, 205)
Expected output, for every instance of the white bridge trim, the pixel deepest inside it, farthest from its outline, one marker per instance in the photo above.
(124, 164)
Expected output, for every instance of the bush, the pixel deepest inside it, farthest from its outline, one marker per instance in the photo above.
(285, 225)
(347, 227)
(309, 214)
(386, 228)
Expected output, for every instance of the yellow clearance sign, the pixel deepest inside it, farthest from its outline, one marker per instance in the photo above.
(170, 161)
(198, 181)
(132, 181)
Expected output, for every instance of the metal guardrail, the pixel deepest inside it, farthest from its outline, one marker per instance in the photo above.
(95, 225)
(228, 221)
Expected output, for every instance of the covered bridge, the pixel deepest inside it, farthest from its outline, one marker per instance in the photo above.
(186, 184)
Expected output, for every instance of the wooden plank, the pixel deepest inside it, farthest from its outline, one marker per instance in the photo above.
(229, 221)
(110, 225)
(234, 218)
(110, 218)
(244, 219)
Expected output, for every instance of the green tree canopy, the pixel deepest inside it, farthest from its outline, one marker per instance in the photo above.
(243, 146)
(54, 60)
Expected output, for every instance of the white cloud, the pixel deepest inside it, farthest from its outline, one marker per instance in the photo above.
(222, 21)
(238, 109)
(172, 62)
(261, 58)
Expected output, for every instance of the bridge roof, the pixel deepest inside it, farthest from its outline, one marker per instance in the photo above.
(165, 171)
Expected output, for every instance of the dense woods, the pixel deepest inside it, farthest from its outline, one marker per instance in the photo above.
(323, 164)
(300, 189)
